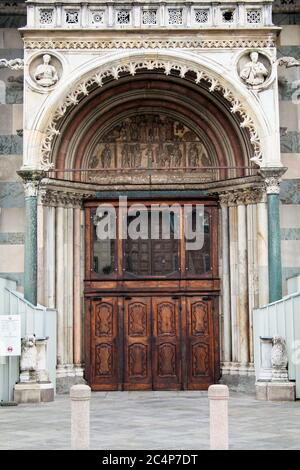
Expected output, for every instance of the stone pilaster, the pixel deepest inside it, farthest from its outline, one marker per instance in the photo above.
(272, 178)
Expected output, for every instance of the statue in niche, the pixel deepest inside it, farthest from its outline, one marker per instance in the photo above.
(136, 155)
(126, 163)
(176, 156)
(254, 72)
(106, 157)
(193, 156)
(46, 74)
(94, 162)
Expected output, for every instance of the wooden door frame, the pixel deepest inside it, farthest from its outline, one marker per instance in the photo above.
(183, 288)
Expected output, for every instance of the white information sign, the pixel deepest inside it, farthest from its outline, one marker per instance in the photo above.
(10, 335)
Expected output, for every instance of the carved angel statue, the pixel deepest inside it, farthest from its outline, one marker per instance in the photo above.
(46, 74)
(254, 72)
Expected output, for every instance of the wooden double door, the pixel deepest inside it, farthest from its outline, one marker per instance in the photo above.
(152, 342)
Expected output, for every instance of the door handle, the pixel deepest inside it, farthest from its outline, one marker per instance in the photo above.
(127, 297)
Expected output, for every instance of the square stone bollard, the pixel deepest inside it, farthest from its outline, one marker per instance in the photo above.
(80, 416)
(218, 396)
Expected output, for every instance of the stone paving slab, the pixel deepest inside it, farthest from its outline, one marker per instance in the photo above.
(152, 420)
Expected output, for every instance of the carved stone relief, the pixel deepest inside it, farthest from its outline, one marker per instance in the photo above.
(150, 141)
(254, 69)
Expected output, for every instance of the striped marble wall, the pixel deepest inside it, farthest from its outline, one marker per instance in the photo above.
(289, 92)
(11, 189)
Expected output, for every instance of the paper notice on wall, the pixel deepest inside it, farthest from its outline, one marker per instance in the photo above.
(10, 335)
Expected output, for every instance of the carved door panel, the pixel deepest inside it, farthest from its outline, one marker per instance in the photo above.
(104, 345)
(137, 344)
(200, 342)
(166, 357)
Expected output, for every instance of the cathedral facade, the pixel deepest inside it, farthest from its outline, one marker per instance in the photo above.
(153, 103)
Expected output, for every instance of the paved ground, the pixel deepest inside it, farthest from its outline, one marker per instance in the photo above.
(152, 420)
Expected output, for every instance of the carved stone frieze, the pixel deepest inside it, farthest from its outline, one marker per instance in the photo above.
(244, 196)
(50, 197)
(66, 44)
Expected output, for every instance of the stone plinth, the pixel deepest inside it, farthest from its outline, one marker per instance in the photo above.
(275, 391)
(32, 392)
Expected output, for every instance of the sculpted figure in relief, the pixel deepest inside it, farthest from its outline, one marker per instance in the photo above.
(46, 74)
(254, 72)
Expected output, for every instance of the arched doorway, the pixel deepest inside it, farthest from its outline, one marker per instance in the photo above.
(151, 307)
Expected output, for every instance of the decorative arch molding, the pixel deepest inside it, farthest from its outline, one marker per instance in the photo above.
(102, 109)
(199, 70)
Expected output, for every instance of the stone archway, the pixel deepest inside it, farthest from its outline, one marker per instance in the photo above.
(186, 66)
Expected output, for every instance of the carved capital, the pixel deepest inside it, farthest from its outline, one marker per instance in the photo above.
(243, 196)
(272, 177)
(31, 181)
(57, 198)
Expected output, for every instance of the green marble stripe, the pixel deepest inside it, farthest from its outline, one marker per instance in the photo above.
(293, 51)
(17, 277)
(12, 21)
(11, 195)
(12, 238)
(11, 145)
(282, 19)
(290, 191)
(11, 53)
(290, 143)
(290, 234)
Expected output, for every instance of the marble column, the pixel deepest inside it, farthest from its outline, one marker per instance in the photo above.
(31, 181)
(60, 263)
(226, 281)
(272, 180)
(262, 251)
(77, 333)
(233, 281)
(242, 303)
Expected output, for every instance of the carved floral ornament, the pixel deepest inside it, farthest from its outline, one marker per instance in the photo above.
(82, 89)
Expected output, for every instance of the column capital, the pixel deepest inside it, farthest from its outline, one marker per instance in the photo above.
(272, 177)
(242, 196)
(31, 180)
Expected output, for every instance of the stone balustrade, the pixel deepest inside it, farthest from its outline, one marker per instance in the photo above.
(152, 14)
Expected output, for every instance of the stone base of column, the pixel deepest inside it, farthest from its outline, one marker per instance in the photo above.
(33, 392)
(68, 375)
(238, 377)
(275, 391)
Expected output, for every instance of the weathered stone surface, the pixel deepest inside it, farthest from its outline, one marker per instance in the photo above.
(261, 391)
(11, 145)
(63, 384)
(11, 195)
(290, 142)
(27, 393)
(281, 391)
(290, 191)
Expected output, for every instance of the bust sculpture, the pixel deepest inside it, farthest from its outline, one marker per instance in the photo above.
(46, 74)
(254, 72)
